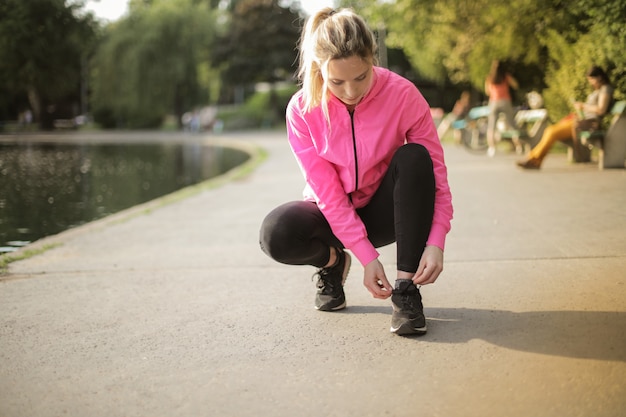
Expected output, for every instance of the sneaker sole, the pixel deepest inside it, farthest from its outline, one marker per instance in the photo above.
(327, 308)
(346, 268)
(407, 329)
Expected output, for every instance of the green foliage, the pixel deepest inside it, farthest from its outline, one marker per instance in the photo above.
(170, 56)
(545, 42)
(258, 43)
(8, 258)
(566, 72)
(600, 40)
(153, 63)
(42, 44)
(458, 40)
(261, 110)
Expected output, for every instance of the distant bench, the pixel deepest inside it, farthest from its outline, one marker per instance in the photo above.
(611, 143)
(64, 124)
(530, 123)
(474, 114)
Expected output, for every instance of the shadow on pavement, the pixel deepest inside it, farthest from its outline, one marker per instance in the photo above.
(599, 335)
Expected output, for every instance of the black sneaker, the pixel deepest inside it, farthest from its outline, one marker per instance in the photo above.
(330, 295)
(408, 311)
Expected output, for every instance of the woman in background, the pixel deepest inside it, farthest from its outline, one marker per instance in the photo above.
(497, 87)
(589, 118)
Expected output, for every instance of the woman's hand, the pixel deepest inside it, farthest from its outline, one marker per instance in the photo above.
(376, 281)
(430, 266)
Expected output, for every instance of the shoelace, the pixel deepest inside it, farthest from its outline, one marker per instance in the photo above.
(322, 282)
(409, 298)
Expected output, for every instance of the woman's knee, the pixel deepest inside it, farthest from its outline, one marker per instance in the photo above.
(415, 155)
(273, 232)
(281, 229)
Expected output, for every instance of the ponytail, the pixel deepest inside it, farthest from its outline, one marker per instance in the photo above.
(328, 35)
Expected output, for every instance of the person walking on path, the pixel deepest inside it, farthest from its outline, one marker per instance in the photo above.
(497, 87)
(374, 171)
(587, 116)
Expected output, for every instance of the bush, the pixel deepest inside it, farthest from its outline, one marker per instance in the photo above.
(108, 119)
(571, 55)
(104, 117)
(262, 110)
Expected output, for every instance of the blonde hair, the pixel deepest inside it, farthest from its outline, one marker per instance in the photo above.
(328, 35)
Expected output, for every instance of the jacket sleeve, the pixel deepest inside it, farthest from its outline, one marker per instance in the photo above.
(331, 198)
(423, 131)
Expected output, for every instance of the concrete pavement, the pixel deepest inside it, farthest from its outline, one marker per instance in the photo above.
(172, 309)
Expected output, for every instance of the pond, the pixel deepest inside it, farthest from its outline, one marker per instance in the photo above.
(46, 187)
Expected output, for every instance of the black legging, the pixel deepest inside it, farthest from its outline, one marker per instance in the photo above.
(401, 210)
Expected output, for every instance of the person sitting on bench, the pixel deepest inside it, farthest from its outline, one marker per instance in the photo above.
(587, 117)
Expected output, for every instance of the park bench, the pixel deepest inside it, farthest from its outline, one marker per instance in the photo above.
(64, 124)
(474, 128)
(610, 143)
(475, 113)
(530, 127)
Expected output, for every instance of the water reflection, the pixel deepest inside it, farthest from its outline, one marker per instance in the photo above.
(47, 188)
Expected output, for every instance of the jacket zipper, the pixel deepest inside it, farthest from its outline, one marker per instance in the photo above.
(356, 162)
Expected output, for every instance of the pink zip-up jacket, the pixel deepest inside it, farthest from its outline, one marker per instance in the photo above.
(344, 163)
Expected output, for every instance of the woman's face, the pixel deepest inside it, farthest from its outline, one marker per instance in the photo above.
(349, 79)
(596, 82)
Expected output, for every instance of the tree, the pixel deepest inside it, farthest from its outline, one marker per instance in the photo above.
(545, 42)
(458, 39)
(258, 44)
(152, 63)
(599, 39)
(43, 46)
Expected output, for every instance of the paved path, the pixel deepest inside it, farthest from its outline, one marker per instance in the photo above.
(172, 310)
